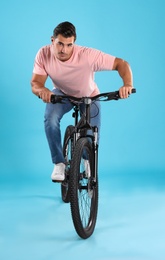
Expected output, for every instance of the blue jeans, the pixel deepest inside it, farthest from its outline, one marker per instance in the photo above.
(53, 116)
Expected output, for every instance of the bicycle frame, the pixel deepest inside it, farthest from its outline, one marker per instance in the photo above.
(84, 122)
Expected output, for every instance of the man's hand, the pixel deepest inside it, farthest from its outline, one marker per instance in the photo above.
(45, 95)
(39, 89)
(125, 91)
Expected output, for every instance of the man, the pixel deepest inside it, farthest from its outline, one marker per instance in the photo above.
(71, 69)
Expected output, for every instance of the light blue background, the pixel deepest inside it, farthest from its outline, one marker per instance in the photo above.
(132, 148)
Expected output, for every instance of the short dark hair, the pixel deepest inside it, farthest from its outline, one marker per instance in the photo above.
(66, 29)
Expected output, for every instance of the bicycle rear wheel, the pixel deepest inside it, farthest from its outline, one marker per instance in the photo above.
(83, 189)
(67, 151)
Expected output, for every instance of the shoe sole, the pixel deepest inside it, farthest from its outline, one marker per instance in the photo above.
(58, 180)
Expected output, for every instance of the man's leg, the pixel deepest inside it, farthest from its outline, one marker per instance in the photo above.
(53, 115)
(96, 115)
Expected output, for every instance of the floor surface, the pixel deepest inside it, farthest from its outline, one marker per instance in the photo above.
(36, 225)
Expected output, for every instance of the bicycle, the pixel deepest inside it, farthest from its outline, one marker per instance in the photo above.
(80, 150)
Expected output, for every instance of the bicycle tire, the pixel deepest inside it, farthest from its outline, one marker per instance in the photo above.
(67, 151)
(83, 190)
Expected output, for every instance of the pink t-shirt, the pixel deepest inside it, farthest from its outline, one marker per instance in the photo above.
(75, 76)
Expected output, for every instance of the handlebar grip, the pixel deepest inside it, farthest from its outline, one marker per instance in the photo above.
(133, 90)
(55, 99)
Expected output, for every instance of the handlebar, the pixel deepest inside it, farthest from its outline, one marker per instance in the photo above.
(100, 97)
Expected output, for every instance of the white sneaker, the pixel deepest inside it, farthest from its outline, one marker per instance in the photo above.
(58, 173)
(87, 168)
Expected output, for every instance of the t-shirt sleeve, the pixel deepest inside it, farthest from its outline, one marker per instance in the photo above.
(100, 60)
(39, 64)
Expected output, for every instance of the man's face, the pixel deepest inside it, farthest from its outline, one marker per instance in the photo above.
(63, 47)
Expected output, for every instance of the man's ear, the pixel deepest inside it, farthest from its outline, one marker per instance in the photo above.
(52, 39)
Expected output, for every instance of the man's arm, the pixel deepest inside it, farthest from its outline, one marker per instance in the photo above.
(39, 89)
(125, 73)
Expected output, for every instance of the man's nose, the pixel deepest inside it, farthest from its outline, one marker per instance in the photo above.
(63, 49)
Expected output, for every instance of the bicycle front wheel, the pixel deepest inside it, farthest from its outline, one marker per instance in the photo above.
(83, 189)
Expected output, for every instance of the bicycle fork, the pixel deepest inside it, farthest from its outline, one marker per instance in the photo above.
(95, 152)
